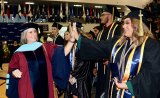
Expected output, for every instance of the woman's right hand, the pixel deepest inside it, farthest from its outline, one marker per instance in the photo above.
(120, 85)
(70, 78)
(17, 73)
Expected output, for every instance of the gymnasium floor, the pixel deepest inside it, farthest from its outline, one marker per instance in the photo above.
(2, 80)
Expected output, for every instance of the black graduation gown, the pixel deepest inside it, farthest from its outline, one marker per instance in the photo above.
(146, 83)
(82, 73)
(101, 76)
(59, 40)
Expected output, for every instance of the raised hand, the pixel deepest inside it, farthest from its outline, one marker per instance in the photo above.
(73, 31)
(72, 39)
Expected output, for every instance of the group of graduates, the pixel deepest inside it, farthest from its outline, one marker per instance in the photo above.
(126, 57)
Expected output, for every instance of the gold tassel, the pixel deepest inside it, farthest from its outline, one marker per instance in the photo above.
(141, 33)
(67, 11)
(84, 15)
(113, 14)
(150, 27)
(39, 32)
(61, 12)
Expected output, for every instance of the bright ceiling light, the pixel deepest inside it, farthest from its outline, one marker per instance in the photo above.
(119, 8)
(29, 2)
(4, 2)
(98, 6)
(77, 5)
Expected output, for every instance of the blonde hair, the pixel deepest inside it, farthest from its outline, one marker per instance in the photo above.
(138, 39)
(23, 39)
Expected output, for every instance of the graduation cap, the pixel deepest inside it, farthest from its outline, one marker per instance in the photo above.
(98, 27)
(111, 9)
(26, 26)
(108, 8)
(135, 14)
(59, 26)
(79, 24)
(140, 14)
(92, 33)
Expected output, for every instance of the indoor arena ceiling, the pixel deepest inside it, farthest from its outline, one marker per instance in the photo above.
(137, 3)
(120, 3)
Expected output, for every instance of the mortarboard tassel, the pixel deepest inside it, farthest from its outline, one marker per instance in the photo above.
(112, 13)
(141, 33)
(84, 15)
(150, 26)
(61, 11)
(39, 32)
(67, 12)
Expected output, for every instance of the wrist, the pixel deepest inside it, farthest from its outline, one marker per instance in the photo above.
(77, 37)
(72, 40)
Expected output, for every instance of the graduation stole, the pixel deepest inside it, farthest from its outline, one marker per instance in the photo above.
(134, 61)
(72, 56)
(111, 30)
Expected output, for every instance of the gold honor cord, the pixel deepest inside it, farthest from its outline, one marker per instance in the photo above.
(114, 30)
(110, 77)
(122, 93)
(112, 90)
(150, 27)
(113, 14)
(114, 61)
(127, 71)
(117, 50)
(131, 56)
(129, 63)
(113, 50)
(99, 35)
(141, 57)
(110, 30)
(128, 66)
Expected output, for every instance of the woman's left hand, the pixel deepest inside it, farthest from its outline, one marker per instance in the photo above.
(73, 31)
(120, 85)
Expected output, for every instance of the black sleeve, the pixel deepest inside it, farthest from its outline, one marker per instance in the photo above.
(59, 41)
(146, 83)
(11, 86)
(90, 49)
(60, 68)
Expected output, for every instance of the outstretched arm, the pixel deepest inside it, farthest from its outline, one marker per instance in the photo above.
(70, 43)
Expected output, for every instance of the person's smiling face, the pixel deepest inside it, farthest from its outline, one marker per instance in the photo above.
(127, 27)
(31, 35)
